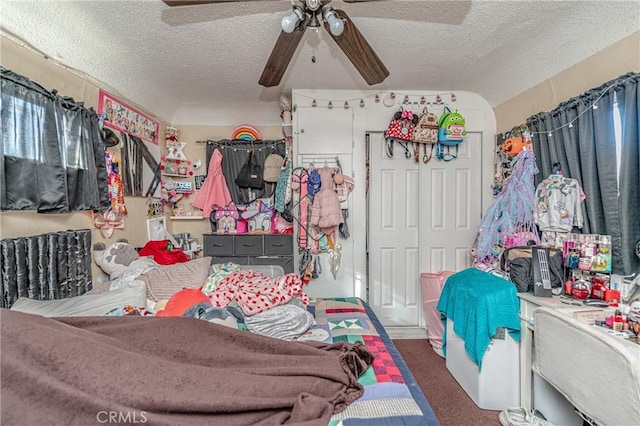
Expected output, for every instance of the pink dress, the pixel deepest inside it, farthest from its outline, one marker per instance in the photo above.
(214, 190)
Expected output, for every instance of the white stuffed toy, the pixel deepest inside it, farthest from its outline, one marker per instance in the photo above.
(121, 262)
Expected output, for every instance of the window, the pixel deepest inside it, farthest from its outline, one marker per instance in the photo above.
(52, 153)
(617, 126)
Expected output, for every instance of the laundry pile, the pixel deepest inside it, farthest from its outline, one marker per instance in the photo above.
(246, 299)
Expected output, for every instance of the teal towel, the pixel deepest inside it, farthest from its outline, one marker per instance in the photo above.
(479, 303)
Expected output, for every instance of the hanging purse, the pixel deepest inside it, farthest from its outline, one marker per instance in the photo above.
(251, 174)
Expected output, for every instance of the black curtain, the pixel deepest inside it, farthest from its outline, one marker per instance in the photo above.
(52, 151)
(581, 139)
(234, 155)
(628, 96)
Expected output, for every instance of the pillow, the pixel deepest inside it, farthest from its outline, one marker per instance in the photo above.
(100, 288)
(86, 305)
(166, 280)
(183, 301)
(216, 274)
(116, 258)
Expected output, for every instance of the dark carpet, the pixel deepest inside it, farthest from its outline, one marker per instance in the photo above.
(451, 404)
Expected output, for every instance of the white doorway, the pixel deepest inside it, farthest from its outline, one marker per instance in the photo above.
(421, 218)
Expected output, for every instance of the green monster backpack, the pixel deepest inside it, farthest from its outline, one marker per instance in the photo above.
(451, 132)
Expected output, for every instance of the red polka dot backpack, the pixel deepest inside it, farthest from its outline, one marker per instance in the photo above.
(401, 130)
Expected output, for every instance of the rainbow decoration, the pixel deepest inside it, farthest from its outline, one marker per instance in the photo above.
(246, 133)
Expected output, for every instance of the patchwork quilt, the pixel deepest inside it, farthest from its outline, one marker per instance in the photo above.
(391, 396)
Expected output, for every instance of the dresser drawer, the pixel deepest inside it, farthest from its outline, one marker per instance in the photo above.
(248, 245)
(218, 245)
(275, 245)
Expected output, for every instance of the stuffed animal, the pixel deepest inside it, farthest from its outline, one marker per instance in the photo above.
(115, 258)
(119, 257)
(225, 218)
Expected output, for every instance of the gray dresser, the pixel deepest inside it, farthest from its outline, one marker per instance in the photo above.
(251, 249)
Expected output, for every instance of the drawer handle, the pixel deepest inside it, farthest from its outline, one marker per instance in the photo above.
(277, 245)
(218, 245)
(247, 245)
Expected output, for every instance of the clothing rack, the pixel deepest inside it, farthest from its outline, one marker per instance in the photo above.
(318, 160)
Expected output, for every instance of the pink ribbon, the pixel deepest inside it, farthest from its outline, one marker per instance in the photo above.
(407, 114)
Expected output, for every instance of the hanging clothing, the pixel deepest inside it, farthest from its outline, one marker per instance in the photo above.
(558, 201)
(214, 190)
(326, 212)
(299, 182)
(512, 213)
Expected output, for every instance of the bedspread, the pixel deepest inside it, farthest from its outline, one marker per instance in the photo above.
(391, 394)
(168, 371)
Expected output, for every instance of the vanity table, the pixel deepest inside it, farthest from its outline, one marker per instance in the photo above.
(528, 304)
(563, 342)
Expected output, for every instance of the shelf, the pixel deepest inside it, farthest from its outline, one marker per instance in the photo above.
(186, 217)
(176, 175)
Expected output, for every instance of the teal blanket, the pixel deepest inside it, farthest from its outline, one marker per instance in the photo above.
(479, 303)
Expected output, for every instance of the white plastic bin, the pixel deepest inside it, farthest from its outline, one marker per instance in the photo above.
(497, 385)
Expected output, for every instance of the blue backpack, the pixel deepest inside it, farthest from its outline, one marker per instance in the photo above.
(313, 183)
(451, 132)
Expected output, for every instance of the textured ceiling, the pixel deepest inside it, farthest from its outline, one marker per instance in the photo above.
(201, 64)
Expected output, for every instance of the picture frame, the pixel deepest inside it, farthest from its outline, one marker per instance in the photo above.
(157, 228)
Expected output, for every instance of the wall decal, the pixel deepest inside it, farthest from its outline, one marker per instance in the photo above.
(120, 116)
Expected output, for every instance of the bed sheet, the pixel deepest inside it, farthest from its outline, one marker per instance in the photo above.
(392, 396)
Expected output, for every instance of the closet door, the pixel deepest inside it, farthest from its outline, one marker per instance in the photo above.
(452, 209)
(394, 225)
(422, 218)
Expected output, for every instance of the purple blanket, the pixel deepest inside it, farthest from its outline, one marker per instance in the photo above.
(168, 371)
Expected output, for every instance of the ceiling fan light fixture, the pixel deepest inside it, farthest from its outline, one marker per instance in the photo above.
(336, 26)
(312, 4)
(290, 22)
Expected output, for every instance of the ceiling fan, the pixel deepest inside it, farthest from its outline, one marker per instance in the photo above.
(312, 13)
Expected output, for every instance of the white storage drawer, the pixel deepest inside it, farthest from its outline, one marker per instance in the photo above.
(497, 385)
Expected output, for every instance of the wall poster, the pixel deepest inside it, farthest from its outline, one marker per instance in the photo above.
(120, 116)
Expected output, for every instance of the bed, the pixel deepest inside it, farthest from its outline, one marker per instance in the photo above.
(136, 369)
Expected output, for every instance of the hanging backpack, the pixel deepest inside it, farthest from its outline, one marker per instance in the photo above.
(251, 174)
(451, 132)
(426, 133)
(401, 130)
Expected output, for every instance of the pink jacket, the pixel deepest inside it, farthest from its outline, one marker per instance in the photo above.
(214, 189)
(326, 212)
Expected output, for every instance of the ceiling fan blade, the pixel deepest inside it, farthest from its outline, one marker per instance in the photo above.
(173, 3)
(359, 52)
(280, 57)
